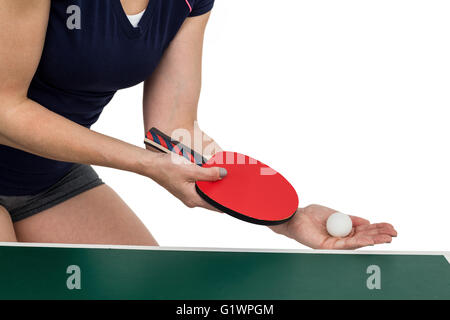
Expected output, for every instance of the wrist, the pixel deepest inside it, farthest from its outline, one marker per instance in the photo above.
(146, 163)
(289, 227)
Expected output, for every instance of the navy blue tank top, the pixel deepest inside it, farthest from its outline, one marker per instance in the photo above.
(91, 50)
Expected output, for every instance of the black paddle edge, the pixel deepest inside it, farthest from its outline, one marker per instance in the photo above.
(237, 215)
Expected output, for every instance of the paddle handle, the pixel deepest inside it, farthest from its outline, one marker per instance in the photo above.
(162, 142)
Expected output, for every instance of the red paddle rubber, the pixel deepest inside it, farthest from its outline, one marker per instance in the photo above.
(251, 191)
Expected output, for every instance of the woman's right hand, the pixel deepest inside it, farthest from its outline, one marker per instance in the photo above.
(178, 176)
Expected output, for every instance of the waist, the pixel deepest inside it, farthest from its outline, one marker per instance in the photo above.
(22, 173)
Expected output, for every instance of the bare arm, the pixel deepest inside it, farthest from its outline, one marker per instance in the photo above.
(171, 94)
(26, 125)
(171, 97)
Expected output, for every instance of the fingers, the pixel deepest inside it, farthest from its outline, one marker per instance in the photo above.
(377, 237)
(347, 243)
(369, 235)
(203, 204)
(362, 236)
(357, 221)
(193, 200)
(379, 233)
(357, 242)
(382, 238)
(179, 179)
(361, 241)
(208, 174)
(376, 234)
(378, 228)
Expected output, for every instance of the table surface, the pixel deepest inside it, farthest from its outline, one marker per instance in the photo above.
(45, 271)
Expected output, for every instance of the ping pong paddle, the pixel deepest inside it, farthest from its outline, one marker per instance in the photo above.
(251, 191)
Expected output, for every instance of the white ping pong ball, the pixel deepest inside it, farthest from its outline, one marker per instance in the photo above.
(339, 225)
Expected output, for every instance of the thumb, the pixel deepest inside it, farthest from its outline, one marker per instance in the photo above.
(210, 174)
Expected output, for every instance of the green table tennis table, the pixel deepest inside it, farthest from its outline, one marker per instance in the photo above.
(46, 271)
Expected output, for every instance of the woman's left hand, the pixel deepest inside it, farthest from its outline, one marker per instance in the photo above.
(308, 227)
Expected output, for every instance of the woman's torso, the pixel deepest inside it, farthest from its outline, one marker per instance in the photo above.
(91, 51)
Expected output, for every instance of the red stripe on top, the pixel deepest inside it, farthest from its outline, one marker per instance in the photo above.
(177, 150)
(162, 142)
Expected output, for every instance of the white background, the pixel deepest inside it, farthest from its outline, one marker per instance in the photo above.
(348, 99)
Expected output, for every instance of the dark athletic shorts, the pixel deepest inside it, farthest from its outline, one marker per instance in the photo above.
(79, 179)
